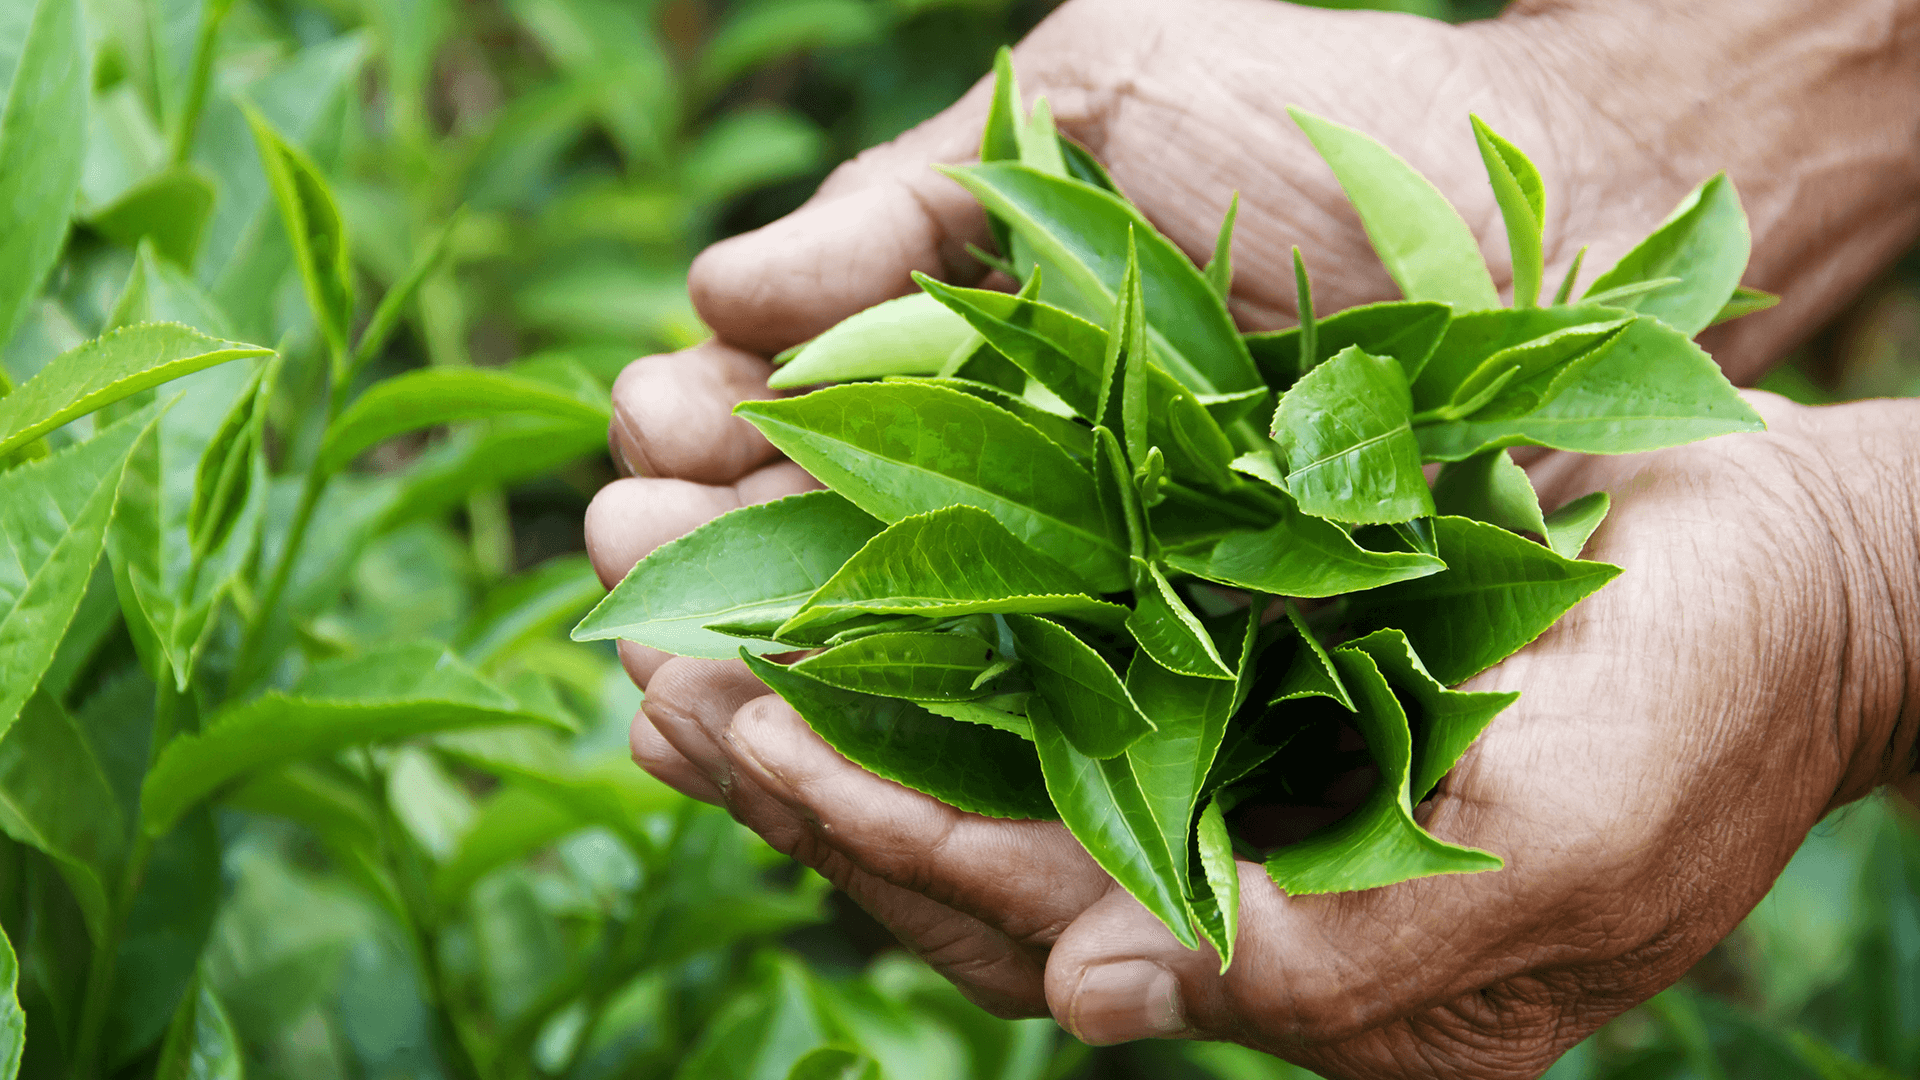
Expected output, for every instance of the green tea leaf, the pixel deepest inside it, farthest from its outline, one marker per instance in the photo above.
(957, 561)
(529, 606)
(337, 811)
(1443, 722)
(53, 519)
(835, 1063)
(514, 823)
(398, 692)
(171, 582)
(1745, 302)
(1219, 270)
(757, 562)
(1489, 487)
(1298, 555)
(106, 369)
(166, 932)
(1124, 368)
(1040, 143)
(1523, 207)
(1086, 699)
(55, 798)
(1344, 431)
(1065, 354)
(314, 228)
(1216, 899)
(913, 335)
(43, 138)
(1652, 389)
(1311, 673)
(973, 767)
(1565, 292)
(1000, 138)
(1475, 339)
(1407, 330)
(1308, 332)
(13, 1019)
(917, 666)
(1518, 380)
(1065, 432)
(1569, 527)
(1704, 243)
(170, 207)
(1167, 631)
(1103, 804)
(899, 449)
(223, 479)
(1498, 593)
(1378, 843)
(1079, 233)
(444, 395)
(759, 34)
(1419, 236)
(984, 712)
(201, 1043)
(1171, 763)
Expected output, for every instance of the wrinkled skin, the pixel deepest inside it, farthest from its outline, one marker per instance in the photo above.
(1678, 733)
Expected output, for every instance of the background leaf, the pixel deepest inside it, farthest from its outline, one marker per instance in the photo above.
(42, 142)
(105, 370)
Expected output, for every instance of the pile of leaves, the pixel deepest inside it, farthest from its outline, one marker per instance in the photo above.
(1057, 566)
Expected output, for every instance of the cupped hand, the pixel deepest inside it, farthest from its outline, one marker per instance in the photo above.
(1677, 734)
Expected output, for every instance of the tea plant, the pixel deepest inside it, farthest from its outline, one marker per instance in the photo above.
(1043, 579)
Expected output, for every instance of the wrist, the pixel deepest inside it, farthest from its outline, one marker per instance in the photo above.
(1860, 466)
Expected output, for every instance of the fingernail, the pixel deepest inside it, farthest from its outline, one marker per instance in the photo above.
(1126, 1000)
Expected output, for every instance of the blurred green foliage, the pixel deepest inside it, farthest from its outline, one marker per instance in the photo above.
(513, 901)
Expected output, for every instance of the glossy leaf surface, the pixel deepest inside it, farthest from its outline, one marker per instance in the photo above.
(1652, 389)
(971, 766)
(1443, 722)
(957, 561)
(53, 518)
(899, 449)
(1569, 527)
(105, 370)
(1102, 803)
(1079, 232)
(918, 666)
(1522, 199)
(794, 545)
(1498, 593)
(1298, 555)
(1704, 243)
(1407, 330)
(913, 335)
(1378, 843)
(1419, 236)
(1344, 430)
(1167, 630)
(1086, 699)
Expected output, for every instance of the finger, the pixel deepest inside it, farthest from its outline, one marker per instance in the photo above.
(1029, 878)
(630, 517)
(652, 752)
(690, 709)
(885, 214)
(641, 662)
(673, 415)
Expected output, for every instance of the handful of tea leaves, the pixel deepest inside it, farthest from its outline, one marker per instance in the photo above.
(1053, 572)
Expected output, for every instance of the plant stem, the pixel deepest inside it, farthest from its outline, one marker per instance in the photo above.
(188, 122)
(97, 997)
(248, 659)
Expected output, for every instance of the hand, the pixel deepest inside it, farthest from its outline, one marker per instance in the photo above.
(1377, 983)
(1677, 735)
